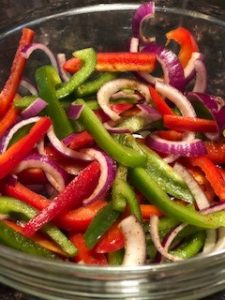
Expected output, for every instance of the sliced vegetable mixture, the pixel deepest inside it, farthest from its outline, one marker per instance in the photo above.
(104, 163)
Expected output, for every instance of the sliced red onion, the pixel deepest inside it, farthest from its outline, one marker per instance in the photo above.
(108, 172)
(173, 234)
(41, 147)
(213, 104)
(28, 50)
(54, 173)
(149, 112)
(210, 241)
(25, 83)
(108, 89)
(61, 59)
(143, 13)
(172, 68)
(59, 145)
(113, 129)
(74, 111)
(189, 70)
(15, 128)
(34, 108)
(134, 44)
(192, 148)
(68, 139)
(135, 245)
(199, 196)
(154, 231)
(201, 77)
(215, 208)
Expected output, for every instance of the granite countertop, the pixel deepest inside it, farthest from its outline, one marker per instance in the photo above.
(10, 294)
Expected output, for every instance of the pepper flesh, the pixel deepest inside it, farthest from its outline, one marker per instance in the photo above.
(9, 91)
(88, 57)
(47, 78)
(10, 206)
(18, 151)
(160, 104)
(147, 185)
(116, 62)
(186, 41)
(72, 196)
(104, 140)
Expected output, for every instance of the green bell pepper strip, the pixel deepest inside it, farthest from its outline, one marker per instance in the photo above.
(163, 173)
(20, 134)
(134, 123)
(124, 190)
(15, 240)
(22, 103)
(122, 154)
(47, 78)
(118, 200)
(146, 184)
(12, 207)
(116, 258)
(88, 57)
(191, 247)
(92, 87)
(103, 221)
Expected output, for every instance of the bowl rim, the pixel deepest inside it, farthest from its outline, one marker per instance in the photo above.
(31, 260)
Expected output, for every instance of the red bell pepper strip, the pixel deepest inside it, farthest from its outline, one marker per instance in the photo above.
(85, 255)
(8, 120)
(112, 240)
(212, 173)
(81, 140)
(9, 91)
(18, 151)
(170, 135)
(160, 104)
(73, 220)
(72, 196)
(117, 62)
(120, 108)
(148, 210)
(38, 238)
(216, 151)
(181, 123)
(186, 41)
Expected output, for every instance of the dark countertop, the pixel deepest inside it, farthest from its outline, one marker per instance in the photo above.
(10, 294)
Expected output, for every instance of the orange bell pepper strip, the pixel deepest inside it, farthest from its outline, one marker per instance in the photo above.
(212, 173)
(216, 151)
(148, 210)
(38, 238)
(85, 255)
(160, 104)
(8, 119)
(11, 86)
(181, 123)
(18, 151)
(116, 62)
(187, 43)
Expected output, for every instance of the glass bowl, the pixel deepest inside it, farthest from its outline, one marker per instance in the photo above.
(69, 25)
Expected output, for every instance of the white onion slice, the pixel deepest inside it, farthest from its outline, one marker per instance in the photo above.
(189, 70)
(154, 231)
(110, 88)
(29, 86)
(108, 172)
(220, 244)
(58, 145)
(27, 51)
(200, 198)
(134, 44)
(55, 174)
(61, 59)
(15, 128)
(135, 245)
(210, 241)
